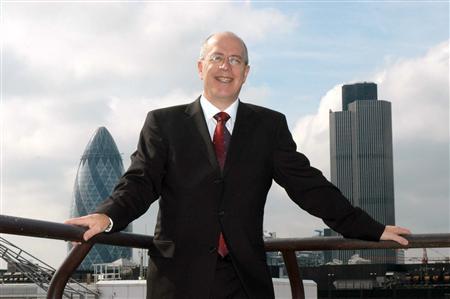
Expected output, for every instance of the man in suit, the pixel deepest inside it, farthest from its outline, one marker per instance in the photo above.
(211, 164)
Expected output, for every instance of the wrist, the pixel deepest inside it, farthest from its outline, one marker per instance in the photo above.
(110, 226)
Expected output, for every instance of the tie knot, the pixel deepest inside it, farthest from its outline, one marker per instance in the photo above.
(222, 116)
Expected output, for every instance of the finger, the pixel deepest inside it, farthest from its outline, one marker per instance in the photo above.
(403, 231)
(400, 240)
(397, 230)
(91, 232)
(88, 234)
(69, 221)
(394, 237)
(77, 221)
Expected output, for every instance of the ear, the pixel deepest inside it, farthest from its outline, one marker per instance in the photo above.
(200, 68)
(246, 71)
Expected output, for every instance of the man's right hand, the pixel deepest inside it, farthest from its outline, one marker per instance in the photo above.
(96, 223)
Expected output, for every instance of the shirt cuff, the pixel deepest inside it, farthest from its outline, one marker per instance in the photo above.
(110, 226)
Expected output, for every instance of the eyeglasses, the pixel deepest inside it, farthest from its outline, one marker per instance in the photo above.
(219, 59)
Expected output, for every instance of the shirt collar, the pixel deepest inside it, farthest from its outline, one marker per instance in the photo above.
(209, 110)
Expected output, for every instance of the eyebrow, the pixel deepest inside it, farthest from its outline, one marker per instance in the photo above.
(233, 55)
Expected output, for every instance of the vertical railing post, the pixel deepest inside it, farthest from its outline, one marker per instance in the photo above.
(70, 264)
(290, 261)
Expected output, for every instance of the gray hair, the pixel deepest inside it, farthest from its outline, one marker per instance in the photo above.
(204, 46)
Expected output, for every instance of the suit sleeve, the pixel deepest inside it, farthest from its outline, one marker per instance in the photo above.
(140, 185)
(310, 190)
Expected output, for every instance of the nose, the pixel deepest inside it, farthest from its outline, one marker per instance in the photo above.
(225, 65)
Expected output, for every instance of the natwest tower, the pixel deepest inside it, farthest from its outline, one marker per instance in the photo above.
(361, 158)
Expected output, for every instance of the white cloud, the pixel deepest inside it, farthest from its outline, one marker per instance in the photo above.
(72, 67)
(312, 134)
(285, 218)
(312, 138)
(419, 91)
(79, 44)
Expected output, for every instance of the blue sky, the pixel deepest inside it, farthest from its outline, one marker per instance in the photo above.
(69, 68)
(343, 42)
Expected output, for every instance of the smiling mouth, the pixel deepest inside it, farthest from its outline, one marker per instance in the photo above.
(224, 79)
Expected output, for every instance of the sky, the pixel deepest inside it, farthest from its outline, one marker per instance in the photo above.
(68, 68)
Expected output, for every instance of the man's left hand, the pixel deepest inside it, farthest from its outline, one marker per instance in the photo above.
(393, 233)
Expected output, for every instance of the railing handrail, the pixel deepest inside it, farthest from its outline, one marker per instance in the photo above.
(288, 246)
(59, 231)
(340, 243)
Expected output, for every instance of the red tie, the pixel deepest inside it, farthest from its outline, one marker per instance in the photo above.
(221, 140)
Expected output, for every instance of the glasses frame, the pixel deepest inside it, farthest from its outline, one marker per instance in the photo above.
(219, 59)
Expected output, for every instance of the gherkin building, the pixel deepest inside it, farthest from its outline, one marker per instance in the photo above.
(98, 172)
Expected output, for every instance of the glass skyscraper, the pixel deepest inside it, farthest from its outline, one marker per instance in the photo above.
(362, 160)
(98, 172)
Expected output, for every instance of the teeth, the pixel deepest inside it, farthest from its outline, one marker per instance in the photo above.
(224, 79)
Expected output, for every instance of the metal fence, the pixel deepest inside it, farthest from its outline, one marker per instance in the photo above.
(287, 246)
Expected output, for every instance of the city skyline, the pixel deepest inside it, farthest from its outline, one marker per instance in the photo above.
(69, 68)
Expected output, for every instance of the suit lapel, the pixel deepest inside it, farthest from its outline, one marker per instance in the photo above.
(246, 120)
(198, 127)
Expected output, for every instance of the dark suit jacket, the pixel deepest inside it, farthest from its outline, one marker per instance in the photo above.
(175, 161)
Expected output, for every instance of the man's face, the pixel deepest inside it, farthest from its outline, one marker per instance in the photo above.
(223, 69)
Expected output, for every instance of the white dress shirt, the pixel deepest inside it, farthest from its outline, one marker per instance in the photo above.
(209, 110)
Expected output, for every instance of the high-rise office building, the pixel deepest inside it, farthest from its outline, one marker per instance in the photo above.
(365, 91)
(98, 172)
(361, 159)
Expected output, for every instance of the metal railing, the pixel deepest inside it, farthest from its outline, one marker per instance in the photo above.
(35, 270)
(287, 246)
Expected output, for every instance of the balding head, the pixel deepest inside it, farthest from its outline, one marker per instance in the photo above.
(223, 67)
(214, 36)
